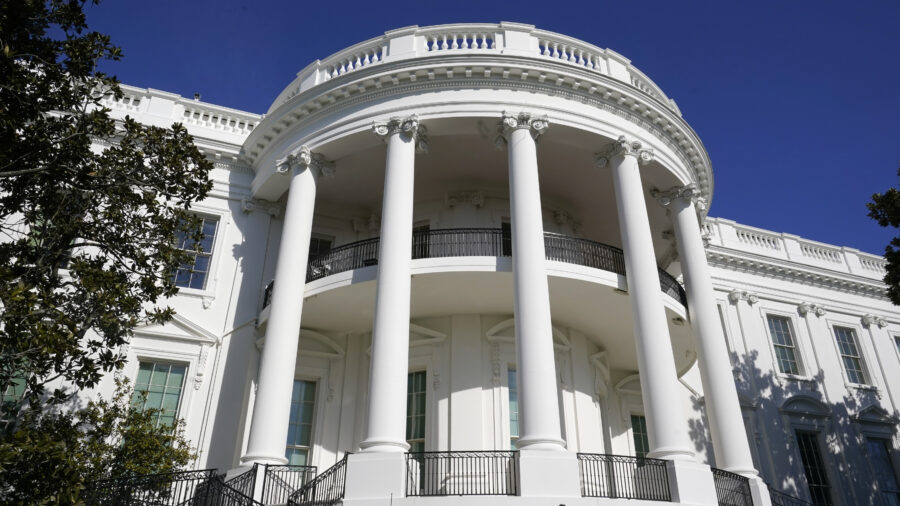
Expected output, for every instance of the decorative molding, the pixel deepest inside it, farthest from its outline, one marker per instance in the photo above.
(869, 319)
(623, 147)
(495, 362)
(806, 308)
(248, 205)
(408, 126)
(475, 198)
(201, 366)
(600, 363)
(536, 126)
(666, 197)
(302, 159)
(736, 296)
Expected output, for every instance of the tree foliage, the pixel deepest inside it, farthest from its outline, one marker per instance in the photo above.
(885, 209)
(52, 457)
(89, 206)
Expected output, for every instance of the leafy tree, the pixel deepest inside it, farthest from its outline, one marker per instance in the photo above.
(885, 209)
(55, 457)
(87, 235)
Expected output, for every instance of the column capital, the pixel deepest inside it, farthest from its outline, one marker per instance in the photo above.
(666, 197)
(536, 125)
(805, 308)
(303, 158)
(408, 126)
(623, 147)
(869, 319)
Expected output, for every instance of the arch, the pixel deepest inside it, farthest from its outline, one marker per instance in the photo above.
(804, 406)
(504, 332)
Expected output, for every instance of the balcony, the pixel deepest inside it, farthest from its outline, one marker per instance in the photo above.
(490, 242)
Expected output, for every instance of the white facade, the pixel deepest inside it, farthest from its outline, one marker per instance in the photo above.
(551, 148)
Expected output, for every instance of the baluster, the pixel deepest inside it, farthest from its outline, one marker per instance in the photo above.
(555, 53)
(580, 61)
(444, 42)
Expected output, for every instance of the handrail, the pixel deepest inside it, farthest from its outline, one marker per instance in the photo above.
(245, 482)
(784, 499)
(622, 476)
(325, 489)
(456, 242)
(280, 481)
(462, 473)
(167, 489)
(732, 489)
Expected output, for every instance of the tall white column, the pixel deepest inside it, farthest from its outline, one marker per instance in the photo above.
(386, 424)
(538, 400)
(723, 410)
(271, 410)
(666, 424)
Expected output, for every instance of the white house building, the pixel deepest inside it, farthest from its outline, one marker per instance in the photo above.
(490, 237)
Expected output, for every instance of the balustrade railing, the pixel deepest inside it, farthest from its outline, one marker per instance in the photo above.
(624, 477)
(325, 489)
(732, 489)
(491, 242)
(280, 481)
(462, 473)
(783, 499)
(166, 489)
(245, 483)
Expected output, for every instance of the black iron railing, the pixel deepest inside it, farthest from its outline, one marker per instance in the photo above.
(732, 489)
(619, 476)
(166, 489)
(280, 481)
(462, 473)
(325, 489)
(245, 483)
(491, 242)
(783, 499)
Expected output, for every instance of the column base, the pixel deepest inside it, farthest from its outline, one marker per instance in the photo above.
(691, 483)
(375, 476)
(251, 458)
(548, 474)
(383, 446)
(672, 453)
(541, 443)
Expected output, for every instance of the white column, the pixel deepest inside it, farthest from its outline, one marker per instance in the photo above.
(723, 410)
(538, 400)
(271, 410)
(386, 424)
(666, 424)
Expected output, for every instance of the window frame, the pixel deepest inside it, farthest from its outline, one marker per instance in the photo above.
(819, 438)
(632, 433)
(224, 221)
(184, 384)
(314, 419)
(868, 380)
(795, 336)
(425, 410)
(511, 370)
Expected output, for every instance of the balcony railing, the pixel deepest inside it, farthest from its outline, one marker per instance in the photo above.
(783, 499)
(325, 489)
(167, 489)
(732, 489)
(462, 473)
(491, 242)
(619, 476)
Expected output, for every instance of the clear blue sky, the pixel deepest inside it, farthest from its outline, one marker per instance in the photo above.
(796, 101)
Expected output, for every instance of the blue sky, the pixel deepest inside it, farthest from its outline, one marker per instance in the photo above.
(796, 101)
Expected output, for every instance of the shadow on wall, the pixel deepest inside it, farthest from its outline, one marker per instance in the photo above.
(778, 407)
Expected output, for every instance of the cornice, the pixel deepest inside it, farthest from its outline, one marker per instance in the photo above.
(504, 72)
(771, 267)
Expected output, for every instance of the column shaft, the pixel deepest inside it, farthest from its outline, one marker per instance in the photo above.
(386, 424)
(723, 409)
(271, 411)
(666, 423)
(538, 399)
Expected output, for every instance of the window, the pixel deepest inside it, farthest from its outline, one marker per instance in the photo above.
(158, 386)
(641, 440)
(193, 273)
(513, 387)
(421, 239)
(853, 364)
(415, 411)
(814, 468)
(318, 245)
(303, 401)
(783, 340)
(880, 458)
(506, 236)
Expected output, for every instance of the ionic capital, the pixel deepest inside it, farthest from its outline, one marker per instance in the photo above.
(408, 126)
(736, 296)
(302, 159)
(806, 308)
(623, 147)
(688, 193)
(869, 319)
(536, 125)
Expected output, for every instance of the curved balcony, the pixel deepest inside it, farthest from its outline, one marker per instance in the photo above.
(491, 242)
